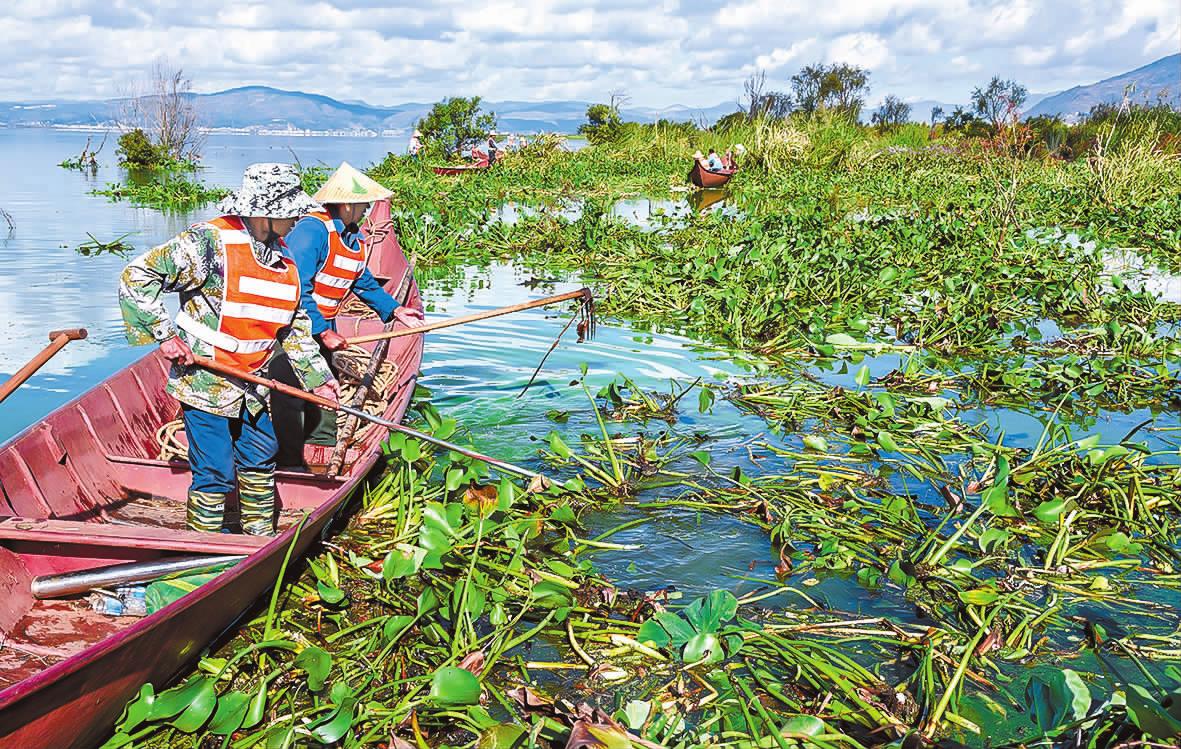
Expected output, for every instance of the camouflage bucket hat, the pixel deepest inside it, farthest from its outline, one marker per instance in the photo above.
(269, 191)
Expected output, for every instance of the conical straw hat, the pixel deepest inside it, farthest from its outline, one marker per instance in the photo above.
(347, 185)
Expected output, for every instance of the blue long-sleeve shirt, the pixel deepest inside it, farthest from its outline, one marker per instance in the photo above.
(307, 245)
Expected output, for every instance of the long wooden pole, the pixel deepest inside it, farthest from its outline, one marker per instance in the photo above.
(583, 293)
(57, 341)
(537, 480)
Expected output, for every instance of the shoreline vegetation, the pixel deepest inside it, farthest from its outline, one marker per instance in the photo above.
(946, 271)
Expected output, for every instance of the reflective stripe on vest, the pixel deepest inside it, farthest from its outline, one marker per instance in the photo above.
(340, 270)
(257, 302)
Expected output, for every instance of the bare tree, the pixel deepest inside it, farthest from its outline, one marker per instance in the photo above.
(619, 100)
(758, 103)
(163, 106)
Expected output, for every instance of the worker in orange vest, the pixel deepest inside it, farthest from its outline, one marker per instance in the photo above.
(239, 296)
(331, 253)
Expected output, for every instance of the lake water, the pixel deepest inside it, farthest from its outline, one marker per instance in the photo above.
(474, 371)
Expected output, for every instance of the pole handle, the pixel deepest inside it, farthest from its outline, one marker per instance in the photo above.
(582, 293)
(73, 334)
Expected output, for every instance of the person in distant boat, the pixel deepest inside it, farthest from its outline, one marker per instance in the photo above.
(699, 157)
(714, 162)
(331, 253)
(728, 160)
(415, 147)
(238, 296)
(492, 149)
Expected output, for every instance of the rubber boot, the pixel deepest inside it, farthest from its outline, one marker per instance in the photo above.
(256, 498)
(205, 511)
(320, 425)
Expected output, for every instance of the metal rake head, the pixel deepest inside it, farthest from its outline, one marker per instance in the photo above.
(587, 322)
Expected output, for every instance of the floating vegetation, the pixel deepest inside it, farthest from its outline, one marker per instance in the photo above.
(93, 247)
(964, 549)
(164, 191)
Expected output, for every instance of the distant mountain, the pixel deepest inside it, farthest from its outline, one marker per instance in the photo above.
(263, 107)
(1164, 75)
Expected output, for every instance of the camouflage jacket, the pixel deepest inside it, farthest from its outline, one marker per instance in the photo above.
(192, 264)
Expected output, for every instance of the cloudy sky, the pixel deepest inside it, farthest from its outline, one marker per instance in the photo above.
(661, 52)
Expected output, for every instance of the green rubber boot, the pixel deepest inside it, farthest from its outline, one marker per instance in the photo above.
(205, 511)
(256, 498)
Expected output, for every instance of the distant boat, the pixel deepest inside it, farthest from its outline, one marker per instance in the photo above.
(447, 171)
(703, 177)
(479, 162)
(82, 489)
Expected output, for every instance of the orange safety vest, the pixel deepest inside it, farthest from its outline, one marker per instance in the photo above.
(341, 268)
(257, 302)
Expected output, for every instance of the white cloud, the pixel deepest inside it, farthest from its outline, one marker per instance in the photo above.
(663, 52)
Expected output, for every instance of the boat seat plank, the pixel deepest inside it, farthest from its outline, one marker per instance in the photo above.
(127, 536)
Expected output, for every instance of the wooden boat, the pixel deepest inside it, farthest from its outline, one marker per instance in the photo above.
(82, 489)
(479, 162)
(702, 177)
(451, 171)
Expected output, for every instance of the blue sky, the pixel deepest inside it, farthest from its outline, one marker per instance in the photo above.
(660, 52)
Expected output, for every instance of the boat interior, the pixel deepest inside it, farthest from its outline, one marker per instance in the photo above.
(85, 488)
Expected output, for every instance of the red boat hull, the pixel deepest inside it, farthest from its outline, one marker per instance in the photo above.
(90, 463)
(707, 178)
(450, 171)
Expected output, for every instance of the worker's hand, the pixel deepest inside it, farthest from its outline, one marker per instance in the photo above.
(177, 351)
(333, 341)
(411, 317)
(329, 391)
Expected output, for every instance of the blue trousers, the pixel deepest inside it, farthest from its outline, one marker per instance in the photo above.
(220, 446)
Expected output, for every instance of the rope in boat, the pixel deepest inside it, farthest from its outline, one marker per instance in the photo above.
(350, 364)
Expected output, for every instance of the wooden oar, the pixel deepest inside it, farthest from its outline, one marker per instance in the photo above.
(584, 294)
(537, 481)
(57, 341)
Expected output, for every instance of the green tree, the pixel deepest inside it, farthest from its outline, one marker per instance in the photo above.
(136, 149)
(891, 113)
(998, 102)
(457, 123)
(840, 86)
(602, 124)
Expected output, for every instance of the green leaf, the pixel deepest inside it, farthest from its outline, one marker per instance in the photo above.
(330, 594)
(979, 596)
(258, 706)
(173, 701)
(139, 709)
(635, 714)
(705, 399)
(336, 724)
(887, 275)
(816, 442)
(703, 647)
(317, 663)
(701, 456)
(503, 736)
(203, 699)
(899, 576)
(395, 626)
(666, 629)
(862, 376)
(451, 686)
(886, 441)
(230, 713)
(411, 450)
(1057, 698)
(994, 538)
(563, 514)
(708, 613)
(841, 339)
(558, 447)
(399, 563)
(1149, 715)
(1052, 510)
(805, 725)
(454, 478)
